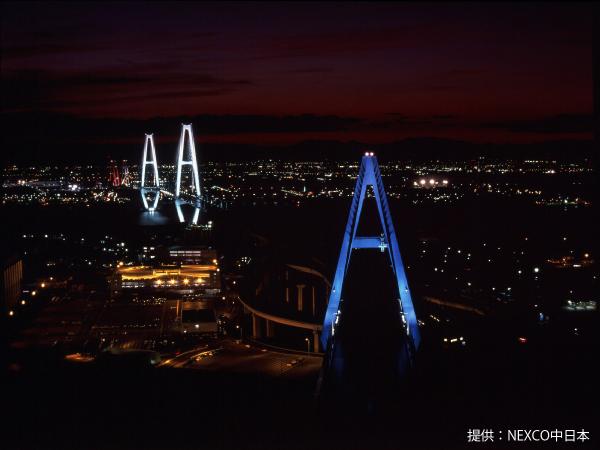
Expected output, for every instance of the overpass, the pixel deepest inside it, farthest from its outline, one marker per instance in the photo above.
(265, 315)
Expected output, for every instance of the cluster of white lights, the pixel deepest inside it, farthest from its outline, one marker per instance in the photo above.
(369, 153)
(432, 182)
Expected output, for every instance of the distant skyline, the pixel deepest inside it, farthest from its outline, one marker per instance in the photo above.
(277, 74)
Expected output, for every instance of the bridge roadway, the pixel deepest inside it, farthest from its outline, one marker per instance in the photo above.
(184, 199)
(369, 356)
(270, 319)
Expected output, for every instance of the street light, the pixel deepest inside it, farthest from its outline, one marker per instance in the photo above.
(307, 345)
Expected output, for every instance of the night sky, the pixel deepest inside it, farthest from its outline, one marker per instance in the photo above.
(85, 75)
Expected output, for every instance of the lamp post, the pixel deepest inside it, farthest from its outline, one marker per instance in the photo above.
(307, 346)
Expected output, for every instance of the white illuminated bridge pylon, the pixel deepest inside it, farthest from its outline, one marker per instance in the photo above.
(182, 217)
(186, 130)
(151, 207)
(149, 142)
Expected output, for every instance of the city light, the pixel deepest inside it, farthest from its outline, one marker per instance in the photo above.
(282, 109)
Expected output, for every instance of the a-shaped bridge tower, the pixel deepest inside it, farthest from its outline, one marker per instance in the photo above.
(149, 145)
(370, 175)
(186, 130)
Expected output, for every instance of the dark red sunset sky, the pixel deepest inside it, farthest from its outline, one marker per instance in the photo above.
(248, 72)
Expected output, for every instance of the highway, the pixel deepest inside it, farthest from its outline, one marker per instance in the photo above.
(239, 357)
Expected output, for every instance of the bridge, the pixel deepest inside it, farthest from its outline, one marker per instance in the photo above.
(151, 188)
(386, 243)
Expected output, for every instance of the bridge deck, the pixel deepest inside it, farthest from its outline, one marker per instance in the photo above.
(369, 357)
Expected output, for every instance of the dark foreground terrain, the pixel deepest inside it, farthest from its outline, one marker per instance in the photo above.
(494, 382)
(91, 407)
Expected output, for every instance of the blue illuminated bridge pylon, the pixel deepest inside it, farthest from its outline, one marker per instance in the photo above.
(370, 175)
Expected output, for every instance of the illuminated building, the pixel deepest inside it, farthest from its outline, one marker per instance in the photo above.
(192, 255)
(114, 178)
(149, 254)
(569, 261)
(201, 279)
(125, 178)
(12, 276)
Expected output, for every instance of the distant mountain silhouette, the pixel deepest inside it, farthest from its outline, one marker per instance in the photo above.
(414, 149)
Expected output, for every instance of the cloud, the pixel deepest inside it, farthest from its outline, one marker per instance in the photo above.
(441, 87)
(348, 41)
(30, 90)
(309, 70)
(558, 124)
(403, 121)
(44, 49)
(70, 128)
(49, 136)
